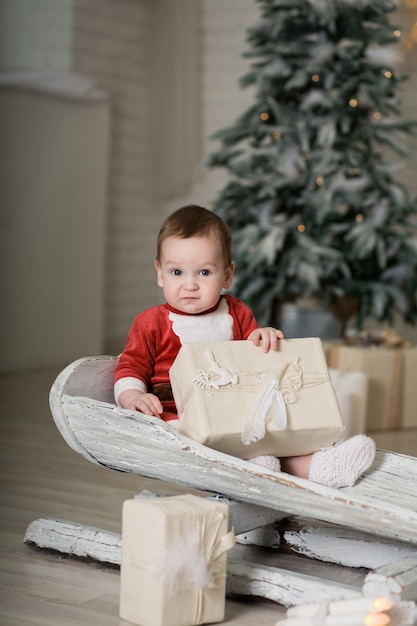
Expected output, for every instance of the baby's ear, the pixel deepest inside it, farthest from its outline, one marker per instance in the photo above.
(158, 268)
(229, 271)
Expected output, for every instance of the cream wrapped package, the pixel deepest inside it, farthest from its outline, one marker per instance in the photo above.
(234, 398)
(173, 566)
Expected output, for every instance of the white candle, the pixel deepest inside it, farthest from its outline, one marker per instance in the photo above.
(356, 619)
(343, 607)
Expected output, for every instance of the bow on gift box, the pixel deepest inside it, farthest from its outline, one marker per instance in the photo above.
(387, 338)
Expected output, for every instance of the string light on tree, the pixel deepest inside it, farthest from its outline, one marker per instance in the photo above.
(309, 144)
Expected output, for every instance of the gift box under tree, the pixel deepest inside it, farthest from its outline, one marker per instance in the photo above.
(391, 393)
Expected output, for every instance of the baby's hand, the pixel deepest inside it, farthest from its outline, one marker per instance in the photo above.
(137, 400)
(268, 337)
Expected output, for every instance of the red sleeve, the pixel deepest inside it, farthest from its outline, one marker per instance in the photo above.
(150, 349)
(138, 355)
(244, 321)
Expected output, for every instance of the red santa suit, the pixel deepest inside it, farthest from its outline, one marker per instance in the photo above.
(157, 334)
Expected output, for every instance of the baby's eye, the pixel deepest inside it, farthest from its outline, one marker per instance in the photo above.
(176, 272)
(205, 272)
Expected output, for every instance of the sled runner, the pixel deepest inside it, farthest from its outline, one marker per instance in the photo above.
(379, 511)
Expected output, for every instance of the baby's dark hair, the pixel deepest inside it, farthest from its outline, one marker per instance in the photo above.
(195, 221)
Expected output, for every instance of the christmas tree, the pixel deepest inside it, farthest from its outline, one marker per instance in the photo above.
(311, 199)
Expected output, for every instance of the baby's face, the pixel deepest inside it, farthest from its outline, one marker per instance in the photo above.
(192, 274)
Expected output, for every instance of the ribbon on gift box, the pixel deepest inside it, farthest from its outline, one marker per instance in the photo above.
(387, 338)
(270, 402)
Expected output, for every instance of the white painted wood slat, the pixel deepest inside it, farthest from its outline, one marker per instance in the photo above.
(383, 502)
(285, 579)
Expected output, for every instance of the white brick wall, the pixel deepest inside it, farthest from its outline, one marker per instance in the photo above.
(223, 33)
(35, 34)
(124, 71)
(110, 42)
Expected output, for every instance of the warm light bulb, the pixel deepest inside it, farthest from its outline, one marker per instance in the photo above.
(388, 74)
(359, 217)
(319, 181)
(377, 619)
(377, 115)
(315, 78)
(301, 228)
(383, 604)
(397, 33)
(353, 102)
(276, 134)
(264, 116)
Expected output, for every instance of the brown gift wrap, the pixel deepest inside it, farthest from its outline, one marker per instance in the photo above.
(173, 567)
(234, 398)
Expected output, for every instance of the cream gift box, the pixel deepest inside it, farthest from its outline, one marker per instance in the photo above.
(173, 566)
(391, 391)
(233, 397)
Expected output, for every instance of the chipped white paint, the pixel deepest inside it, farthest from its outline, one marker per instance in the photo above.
(244, 576)
(377, 518)
(333, 544)
(383, 503)
(75, 539)
(247, 574)
(286, 587)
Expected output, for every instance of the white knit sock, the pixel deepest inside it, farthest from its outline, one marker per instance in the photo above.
(342, 464)
(268, 461)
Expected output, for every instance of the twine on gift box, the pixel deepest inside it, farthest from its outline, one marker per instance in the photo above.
(271, 401)
(196, 561)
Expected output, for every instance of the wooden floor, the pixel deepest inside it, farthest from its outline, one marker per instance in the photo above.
(42, 477)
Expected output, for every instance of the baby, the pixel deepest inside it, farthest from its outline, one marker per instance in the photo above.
(194, 265)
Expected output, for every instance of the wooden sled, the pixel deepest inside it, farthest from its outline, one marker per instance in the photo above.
(376, 519)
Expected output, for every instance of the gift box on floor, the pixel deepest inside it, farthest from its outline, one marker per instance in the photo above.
(233, 397)
(173, 566)
(391, 392)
